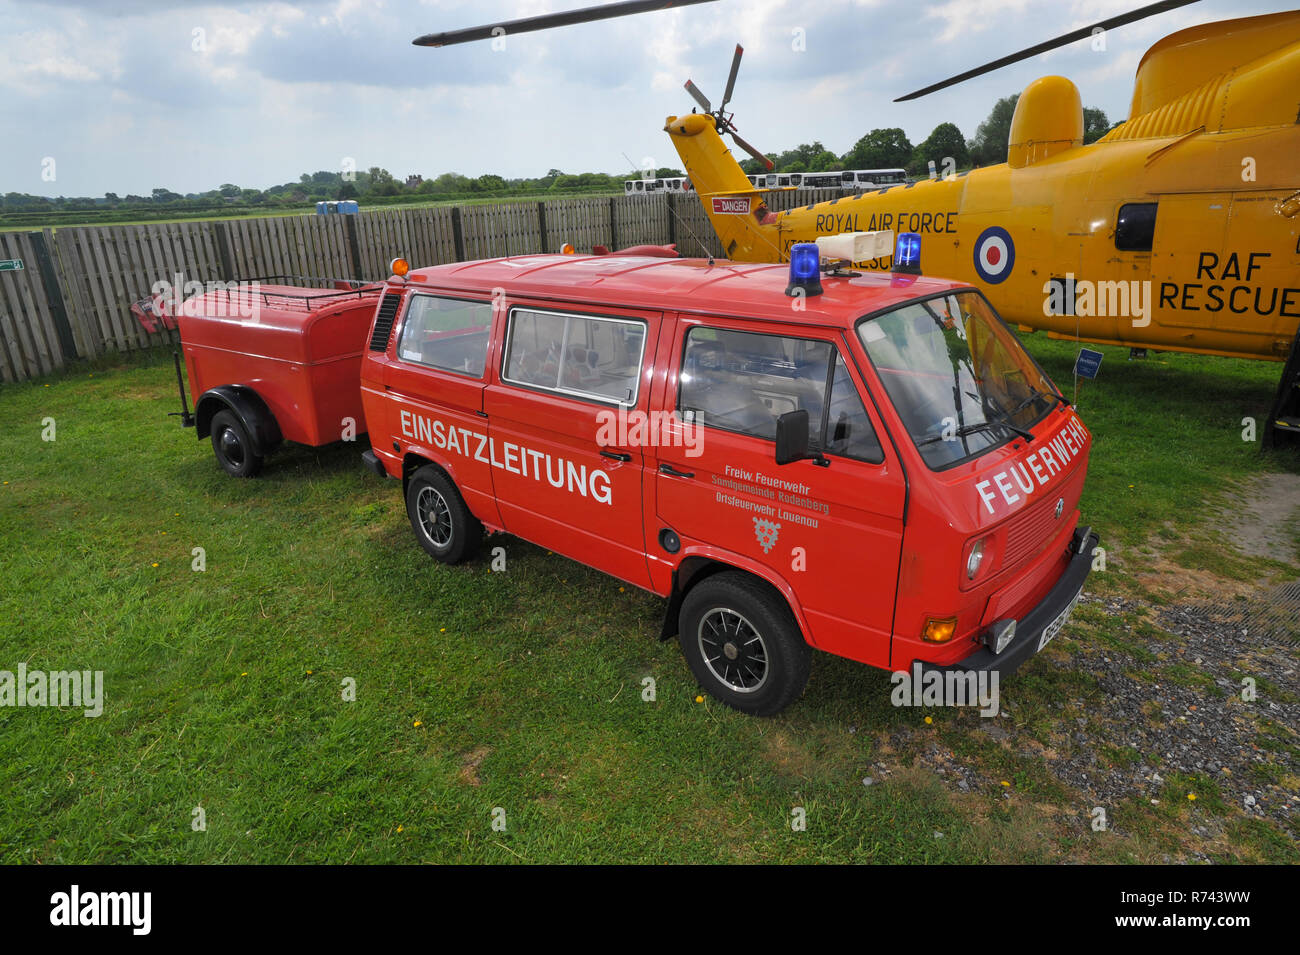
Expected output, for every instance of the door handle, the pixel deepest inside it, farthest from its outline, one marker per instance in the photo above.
(669, 469)
(616, 456)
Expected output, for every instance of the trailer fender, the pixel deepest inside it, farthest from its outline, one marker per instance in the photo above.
(248, 406)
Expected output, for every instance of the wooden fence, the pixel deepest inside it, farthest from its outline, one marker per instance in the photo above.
(67, 294)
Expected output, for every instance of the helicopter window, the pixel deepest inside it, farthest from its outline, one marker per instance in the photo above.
(1135, 226)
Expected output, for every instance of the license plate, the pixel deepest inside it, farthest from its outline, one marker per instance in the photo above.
(1053, 628)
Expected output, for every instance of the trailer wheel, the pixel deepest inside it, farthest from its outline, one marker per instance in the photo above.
(442, 523)
(233, 445)
(743, 645)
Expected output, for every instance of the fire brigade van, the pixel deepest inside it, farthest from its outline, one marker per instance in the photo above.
(272, 363)
(867, 464)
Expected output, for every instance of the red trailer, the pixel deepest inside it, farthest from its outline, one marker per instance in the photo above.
(273, 363)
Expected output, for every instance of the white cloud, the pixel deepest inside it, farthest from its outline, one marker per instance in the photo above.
(285, 87)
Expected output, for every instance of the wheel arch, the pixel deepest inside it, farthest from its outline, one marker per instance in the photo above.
(412, 461)
(698, 567)
(246, 405)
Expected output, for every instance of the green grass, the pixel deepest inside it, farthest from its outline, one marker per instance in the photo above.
(224, 688)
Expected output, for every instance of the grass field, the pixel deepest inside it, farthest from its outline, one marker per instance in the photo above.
(520, 690)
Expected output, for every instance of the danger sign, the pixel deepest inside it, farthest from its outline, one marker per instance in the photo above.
(731, 205)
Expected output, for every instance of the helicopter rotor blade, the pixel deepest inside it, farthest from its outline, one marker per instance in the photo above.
(731, 80)
(1117, 21)
(767, 163)
(698, 96)
(549, 20)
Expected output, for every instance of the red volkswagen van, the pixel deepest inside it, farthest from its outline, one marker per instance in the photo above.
(865, 464)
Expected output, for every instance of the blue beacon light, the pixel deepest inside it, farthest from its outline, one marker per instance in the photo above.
(907, 254)
(805, 270)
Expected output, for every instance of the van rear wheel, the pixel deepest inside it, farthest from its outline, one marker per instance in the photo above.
(233, 445)
(743, 645)
(442, 523)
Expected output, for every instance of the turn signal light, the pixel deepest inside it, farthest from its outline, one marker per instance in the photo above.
(939, 629)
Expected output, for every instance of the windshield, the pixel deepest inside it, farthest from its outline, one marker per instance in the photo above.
(957, 376)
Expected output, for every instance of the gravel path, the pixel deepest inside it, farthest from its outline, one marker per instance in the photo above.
(1190, 721)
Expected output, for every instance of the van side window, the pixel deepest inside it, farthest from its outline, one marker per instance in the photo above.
(446, 333)
(847, 428)
(743, 381)
(582, 355)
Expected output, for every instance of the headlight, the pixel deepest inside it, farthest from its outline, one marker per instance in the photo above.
(975, 559)
(999, 636)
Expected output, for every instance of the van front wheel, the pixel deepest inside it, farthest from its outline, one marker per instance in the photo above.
(743, 645)
(442, 523)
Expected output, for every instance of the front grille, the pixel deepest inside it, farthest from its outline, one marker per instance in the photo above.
(1029, 532)
(384, 321)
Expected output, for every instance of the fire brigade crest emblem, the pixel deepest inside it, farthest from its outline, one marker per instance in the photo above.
(766, 532)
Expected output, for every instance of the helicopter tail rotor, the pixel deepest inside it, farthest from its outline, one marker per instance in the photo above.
(721, 118)
(698, 96)
(731, 78)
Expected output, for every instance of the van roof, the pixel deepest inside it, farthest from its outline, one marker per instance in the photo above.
(741, 289)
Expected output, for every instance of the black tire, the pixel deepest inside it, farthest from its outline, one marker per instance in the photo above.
(442, 523)
(763, 678)
(233, 445)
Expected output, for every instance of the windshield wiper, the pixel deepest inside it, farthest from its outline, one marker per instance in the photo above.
(1001, 417)
(1052, 397)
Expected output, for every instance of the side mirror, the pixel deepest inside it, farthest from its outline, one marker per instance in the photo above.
(792, 439)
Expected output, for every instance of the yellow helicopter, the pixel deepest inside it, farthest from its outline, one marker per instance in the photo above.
(1179, 230)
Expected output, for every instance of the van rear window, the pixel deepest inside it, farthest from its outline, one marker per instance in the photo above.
(582, 355)
(446, 333)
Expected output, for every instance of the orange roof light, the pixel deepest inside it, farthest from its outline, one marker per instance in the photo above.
(399, 266)
(568, 249)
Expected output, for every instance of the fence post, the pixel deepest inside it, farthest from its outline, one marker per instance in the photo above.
(457, 236)
(541, 227)
(613, 224)
(350, 227)
(53, 295)
(672, 218)
(221, 233)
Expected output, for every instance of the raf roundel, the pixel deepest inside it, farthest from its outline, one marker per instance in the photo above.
(995, 254)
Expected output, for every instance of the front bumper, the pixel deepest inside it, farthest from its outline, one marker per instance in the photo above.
(1049, 613)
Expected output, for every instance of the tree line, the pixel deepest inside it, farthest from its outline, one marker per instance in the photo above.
(891, 149)
(879, 148)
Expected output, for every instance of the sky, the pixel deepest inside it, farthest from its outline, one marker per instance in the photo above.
(129, 95)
